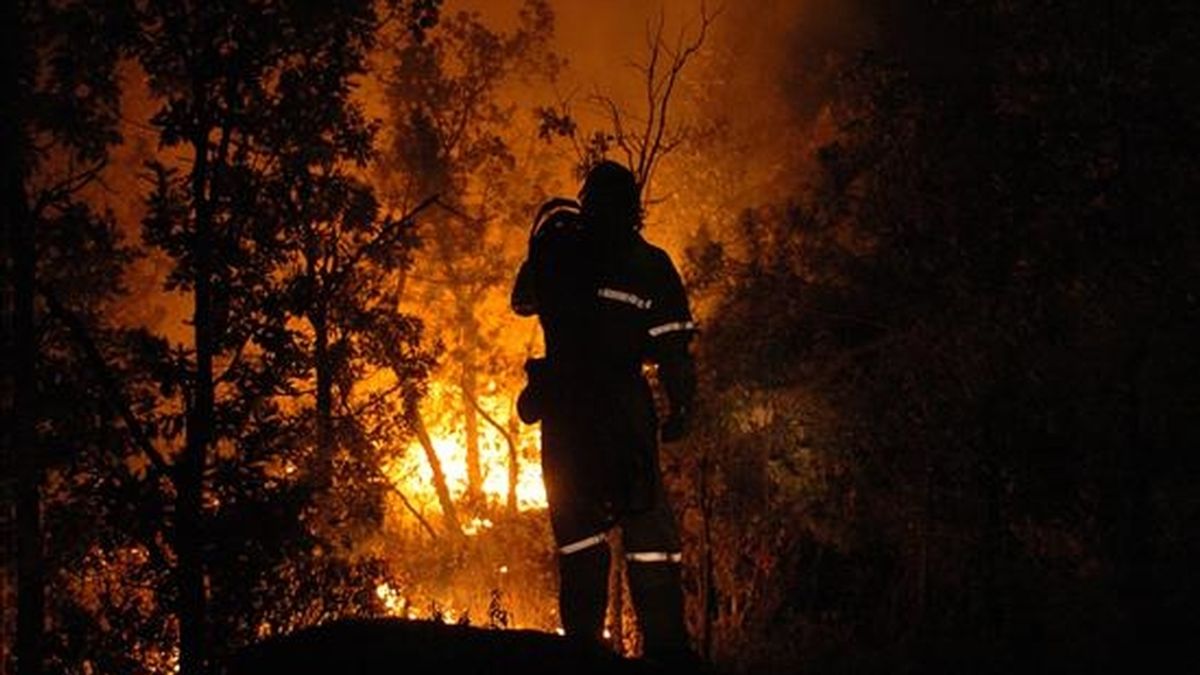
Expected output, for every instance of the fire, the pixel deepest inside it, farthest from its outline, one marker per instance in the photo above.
(413, 475)
(476, 526)
(499, 573)
(393, 601)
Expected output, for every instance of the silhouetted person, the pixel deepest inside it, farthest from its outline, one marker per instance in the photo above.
(608, 303)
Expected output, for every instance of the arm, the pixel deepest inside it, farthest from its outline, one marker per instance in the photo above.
(670, 332)
(524, 295)
(677, 372)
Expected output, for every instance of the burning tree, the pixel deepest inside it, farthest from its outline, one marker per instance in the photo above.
(452, 137)
(453, 132)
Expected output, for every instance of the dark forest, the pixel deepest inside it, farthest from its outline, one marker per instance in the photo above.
(261, 377)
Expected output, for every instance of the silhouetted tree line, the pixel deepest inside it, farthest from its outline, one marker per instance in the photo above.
(174, 501)
(950, 389)
(953, 384)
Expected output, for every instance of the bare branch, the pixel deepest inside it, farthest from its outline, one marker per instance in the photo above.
(449, 513)
(503, 431)
(408, 504)
(617, 119)
(652, 93)
(69, 185)
(654, 148)
(458, 212)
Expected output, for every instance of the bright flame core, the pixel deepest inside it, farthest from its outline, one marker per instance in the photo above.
(412, 473)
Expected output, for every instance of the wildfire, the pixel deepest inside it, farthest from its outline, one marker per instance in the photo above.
(414, 476)
(393, 601)
(476, 526)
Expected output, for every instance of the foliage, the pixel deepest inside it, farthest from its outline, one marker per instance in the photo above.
(261, 95)
(973, 315)
(58, 123)
(270, 226)
(453, 136)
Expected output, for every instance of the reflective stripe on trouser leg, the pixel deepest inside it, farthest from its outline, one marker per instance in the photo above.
(583, 591)
(654, 556)
(658, 601)
(582, 544)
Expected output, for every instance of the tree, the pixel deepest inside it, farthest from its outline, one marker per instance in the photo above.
(452, 138)
(645, 137)
(225, 74)
(59, 121)
(968, 314)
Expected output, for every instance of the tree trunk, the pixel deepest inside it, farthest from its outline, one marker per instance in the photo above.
(30, 582)
(510, 436)
(467, 386)
(189, 501)
(449, 512)
(514, 460)
(324, 469)
(21, 462)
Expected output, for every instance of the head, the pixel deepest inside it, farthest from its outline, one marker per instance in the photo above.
(611, 197)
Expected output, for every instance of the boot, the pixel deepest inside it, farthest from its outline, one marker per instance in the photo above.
(583, 592)
(658, 601)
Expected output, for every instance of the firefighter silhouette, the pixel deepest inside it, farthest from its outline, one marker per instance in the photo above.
(608, 303)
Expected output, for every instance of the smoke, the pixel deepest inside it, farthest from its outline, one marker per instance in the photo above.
(771, 73)
(766, 50)
(758, 89)
(806, 44)
(756, 94)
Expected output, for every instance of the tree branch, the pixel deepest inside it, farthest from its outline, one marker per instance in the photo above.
(408, 505)
(114, 397)
(66, 187)
(449, 513)
(387, 236)
(512, 444)
(513, 454)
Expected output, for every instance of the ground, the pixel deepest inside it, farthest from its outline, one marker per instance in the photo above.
(367, 647)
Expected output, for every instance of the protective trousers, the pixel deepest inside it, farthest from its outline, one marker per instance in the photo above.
(584, 507)
(654, 582)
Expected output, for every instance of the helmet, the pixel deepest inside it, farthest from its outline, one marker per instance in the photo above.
(611, 198)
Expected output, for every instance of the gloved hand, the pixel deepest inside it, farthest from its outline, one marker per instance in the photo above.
(675, 427)
(532, 399)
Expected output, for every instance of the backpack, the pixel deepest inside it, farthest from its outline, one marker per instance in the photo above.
(557, 269)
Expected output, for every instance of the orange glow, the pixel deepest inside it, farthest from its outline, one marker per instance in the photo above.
(411, 472)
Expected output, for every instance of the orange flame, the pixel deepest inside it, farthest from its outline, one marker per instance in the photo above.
(410, 470)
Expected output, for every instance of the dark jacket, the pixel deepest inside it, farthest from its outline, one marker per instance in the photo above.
(606, 309)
